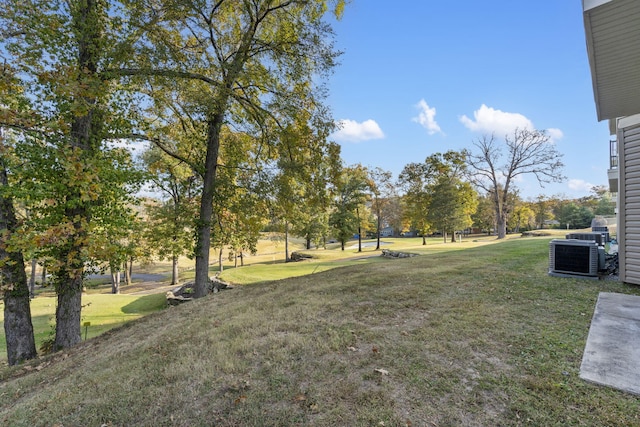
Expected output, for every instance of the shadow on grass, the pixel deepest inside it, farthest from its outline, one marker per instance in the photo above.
(146, 304)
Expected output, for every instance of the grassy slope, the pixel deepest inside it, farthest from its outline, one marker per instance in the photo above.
(480, 336)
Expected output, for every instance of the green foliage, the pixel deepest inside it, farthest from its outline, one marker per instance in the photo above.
(229, 71)
(573, 215)
(383, 193)
(170, 222)
(72, 176)
(349, 195)
(416, 179)
(436, 196)
(452, 203)
(304, 167)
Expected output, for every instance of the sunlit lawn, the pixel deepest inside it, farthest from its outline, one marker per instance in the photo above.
(473, 333)
(101, 311)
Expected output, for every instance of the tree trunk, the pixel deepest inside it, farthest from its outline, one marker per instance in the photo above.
(378, 233)
(115, 281)
(43, 276)
(174, 270)
(203, 229)
(286, 242)
(424, 240)
(18, 328)
(32, 279)
(69, 290)
(127, 273)
(501, 225)
(86, 137)
(220, 260)
(359, 231)
(308, 242)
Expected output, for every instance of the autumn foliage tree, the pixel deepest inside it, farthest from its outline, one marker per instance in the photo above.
(248, 66)
(60, 50)
(415, 180)
(452, 199)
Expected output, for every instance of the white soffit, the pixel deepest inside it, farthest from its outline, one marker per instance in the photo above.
(590, 4)
(629, 121)
(612, 30)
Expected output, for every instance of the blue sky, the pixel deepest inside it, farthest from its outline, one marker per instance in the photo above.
(419, 77)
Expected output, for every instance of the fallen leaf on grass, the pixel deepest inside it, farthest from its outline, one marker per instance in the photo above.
(381, 371)
(300, 398)
(352, 349)
(374, 349)
(240, 400)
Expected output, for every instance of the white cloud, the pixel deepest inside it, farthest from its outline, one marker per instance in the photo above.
(580, 185)
(555, 134)
(352, 131)
(501, 123)
(490, 120)
(427, 118)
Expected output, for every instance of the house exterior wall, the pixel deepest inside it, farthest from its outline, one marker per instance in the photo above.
(629, 199)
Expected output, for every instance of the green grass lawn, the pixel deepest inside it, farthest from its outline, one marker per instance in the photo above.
(101, 311)
(262, 269)
(473, 334)
(104, 311)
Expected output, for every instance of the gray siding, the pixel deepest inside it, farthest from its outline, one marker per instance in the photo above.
(629, 227)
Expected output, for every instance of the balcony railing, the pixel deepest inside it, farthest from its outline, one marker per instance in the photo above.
(613, 154)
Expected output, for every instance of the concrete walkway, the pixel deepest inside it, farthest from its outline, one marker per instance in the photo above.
(612, 353)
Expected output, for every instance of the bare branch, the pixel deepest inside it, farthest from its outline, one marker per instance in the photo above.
(162, 145)
(159, 73)
(528, 152)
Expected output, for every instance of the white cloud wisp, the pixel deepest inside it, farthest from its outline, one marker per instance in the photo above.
(427, 118)
(502, 123)
(490, 120)
(352, 131)
(580, 185)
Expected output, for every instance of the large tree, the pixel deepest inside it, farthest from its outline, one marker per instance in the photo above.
(300, 183)
(349, 196)
(452, 199)
(528, 152)
(60, 50)
(13, 281)
(415, 180)
(247, 65)
(382, 193)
